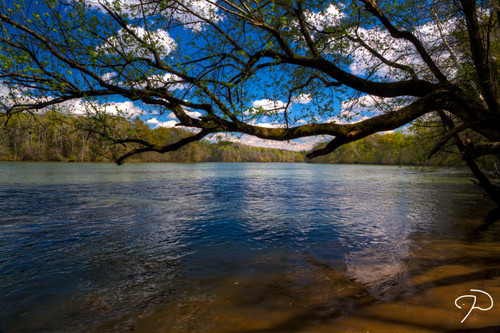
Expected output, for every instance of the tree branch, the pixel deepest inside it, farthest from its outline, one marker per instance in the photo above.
(388, 121)
(479, 55)
(447, 136)
(373, 8)
(155, 148)
(492, 190)
(376, 54)
(475, 150)
(299, 12)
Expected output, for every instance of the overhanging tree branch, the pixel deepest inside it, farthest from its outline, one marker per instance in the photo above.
(155, 148)
(388, 121)
(476, 150)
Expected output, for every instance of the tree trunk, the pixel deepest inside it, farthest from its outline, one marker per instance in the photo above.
(492, 190)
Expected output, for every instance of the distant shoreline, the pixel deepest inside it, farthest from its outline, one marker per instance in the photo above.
(202, 162)
(43, 139)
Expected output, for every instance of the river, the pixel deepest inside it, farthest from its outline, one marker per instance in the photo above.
(244, 247)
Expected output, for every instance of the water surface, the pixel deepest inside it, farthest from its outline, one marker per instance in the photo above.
(236, 247)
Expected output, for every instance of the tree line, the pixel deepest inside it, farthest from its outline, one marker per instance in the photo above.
(55, 137)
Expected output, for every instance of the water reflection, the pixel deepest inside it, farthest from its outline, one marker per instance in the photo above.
(241, 248)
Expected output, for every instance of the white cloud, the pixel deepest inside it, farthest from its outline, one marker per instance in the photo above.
(192, 114)
(172, 81)
(365, 101)
(186, 16)
(170, 124)
(108, 77)
(124, 108)
(13, 94)
(176, 124)
(4, 90)
(397, 50)
(153, 121)
(199, 7)
(331, 16)
(81, 107)
(296, 145)
(278, 105)
(347, 114)
(270, 105)
(167, 124)
(302, 99)
(370, 105)
(169, 81)
(5, 96)
(269, 125)
(254, 122)
(127, 43)
(402, 51)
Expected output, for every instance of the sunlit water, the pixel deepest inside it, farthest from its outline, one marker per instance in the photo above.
(234, 247)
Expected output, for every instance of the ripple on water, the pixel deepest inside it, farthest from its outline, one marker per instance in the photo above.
(240, 247)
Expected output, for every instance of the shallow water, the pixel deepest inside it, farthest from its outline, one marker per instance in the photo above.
(235, 247)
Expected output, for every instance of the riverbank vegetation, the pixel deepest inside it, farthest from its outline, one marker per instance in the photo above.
(55, 137)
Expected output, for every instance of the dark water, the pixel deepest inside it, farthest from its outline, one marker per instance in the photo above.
(239, 247)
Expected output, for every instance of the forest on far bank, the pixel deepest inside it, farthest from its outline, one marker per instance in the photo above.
(55, 137)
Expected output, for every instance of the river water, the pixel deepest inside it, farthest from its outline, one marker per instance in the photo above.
(244, 247)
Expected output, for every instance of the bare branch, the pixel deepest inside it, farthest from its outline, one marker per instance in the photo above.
(446, 137)
(373, 8)
(376, 54)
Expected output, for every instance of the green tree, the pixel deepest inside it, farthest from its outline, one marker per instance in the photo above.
(224, 66)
